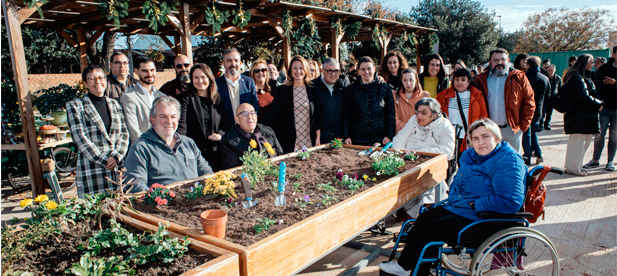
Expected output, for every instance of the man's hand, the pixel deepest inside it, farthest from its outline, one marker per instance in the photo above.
(215, 137)
(111, 163)
(386, 140)
(348, 141)
(608, 80)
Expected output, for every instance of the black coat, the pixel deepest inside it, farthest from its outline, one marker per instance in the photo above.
(329, 109)
(193, 125)
(369, 113)
(282, 120)
(235, 142)
(585, 117)
(541, 86)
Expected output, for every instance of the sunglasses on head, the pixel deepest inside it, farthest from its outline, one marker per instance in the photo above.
(179, 66)
(263, 70)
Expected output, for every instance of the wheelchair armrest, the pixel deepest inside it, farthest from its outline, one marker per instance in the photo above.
(492, 215)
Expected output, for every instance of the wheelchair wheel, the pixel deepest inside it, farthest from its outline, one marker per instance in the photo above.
(454, 263)
(66, 159)
(516, 251)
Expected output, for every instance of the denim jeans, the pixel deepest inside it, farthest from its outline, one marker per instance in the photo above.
(547, 113)
(608, 121)
(530, 140)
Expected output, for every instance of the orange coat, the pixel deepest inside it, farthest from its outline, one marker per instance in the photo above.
(518, 95)
(405, 108)
(477, 106)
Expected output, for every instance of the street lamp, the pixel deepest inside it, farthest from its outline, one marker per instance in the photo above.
(499, 20)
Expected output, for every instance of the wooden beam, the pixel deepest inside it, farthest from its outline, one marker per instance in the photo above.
(177, 43)
(24, 98)
(187, 44)
(67, 37)
(278, 28)
(168, 42)
(94, 37)
(83, 55)
(336, 42)
(286, 53)
(26, 12)
(176, 23)
(200, 17)
(384, 41)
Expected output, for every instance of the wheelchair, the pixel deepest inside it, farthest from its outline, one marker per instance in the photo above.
(514, 249)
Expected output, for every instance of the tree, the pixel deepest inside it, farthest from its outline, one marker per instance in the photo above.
(556, 30)
(467, 30)
(509, 41)
(100, 54)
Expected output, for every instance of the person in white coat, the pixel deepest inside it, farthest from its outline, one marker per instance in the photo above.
(427, 131)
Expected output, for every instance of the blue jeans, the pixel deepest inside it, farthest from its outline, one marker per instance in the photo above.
(547, 113)
(608, 121)
(530, 140)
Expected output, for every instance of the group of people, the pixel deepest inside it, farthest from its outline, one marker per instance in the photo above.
(197, 124)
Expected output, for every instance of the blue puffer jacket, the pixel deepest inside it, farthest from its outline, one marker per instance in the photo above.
(495, 183)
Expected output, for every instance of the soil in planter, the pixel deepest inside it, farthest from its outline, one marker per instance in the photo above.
(57, 253)
(320, 167)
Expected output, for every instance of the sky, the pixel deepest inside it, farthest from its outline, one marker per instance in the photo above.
(514, 13)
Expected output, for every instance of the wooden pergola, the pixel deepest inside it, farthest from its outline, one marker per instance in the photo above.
(186, 21)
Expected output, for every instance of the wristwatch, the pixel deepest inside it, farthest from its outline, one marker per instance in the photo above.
(472, 205)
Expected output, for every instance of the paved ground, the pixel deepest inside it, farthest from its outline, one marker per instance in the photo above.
(581, 219)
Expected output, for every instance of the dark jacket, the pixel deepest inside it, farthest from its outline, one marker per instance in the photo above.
(541, 86)
(369, 113)
(329, 109)
(174, 88)
(248, 94)
(282, 120)
(585, 118)
(198, 122)
(236, 142)
(555, 85)
(607, 92)
(115, 89)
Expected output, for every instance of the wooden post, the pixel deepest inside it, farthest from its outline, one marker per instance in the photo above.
(286, 46)
(178, 49)
(83, 45)
(336, 42)
(185, 17)
(18, 59)
(418, 56)
(383, 44)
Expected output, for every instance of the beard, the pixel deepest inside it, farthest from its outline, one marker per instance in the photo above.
(148, 81)
(184, 78)
(499, 70)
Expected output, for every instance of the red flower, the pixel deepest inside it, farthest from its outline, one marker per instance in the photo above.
(157, 185)
(150, 190)
(172, 194)
(163, 202)
(339, 176)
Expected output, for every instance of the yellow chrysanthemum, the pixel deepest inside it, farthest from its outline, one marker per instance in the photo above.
(41, 198)
(365, 177)
(267, 145)
(51, 205)
(253, 144)
(25, 202)
(271, 151)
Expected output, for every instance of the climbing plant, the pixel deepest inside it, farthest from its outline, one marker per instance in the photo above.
(307, 40)
(33, 3)
(241, 17)
(216, 17)
(378, 32)
(156, 12)
(352, 28)
(114, 10)
(287, 24)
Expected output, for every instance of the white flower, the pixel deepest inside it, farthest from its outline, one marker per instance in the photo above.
(280, 221)
(378, 173)
(345, 177)
(340, 170)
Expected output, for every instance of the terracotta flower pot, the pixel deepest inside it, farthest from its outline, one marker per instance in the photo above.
(214, 222)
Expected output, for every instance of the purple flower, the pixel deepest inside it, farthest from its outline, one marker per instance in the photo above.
(339, 176)
(229, 200)
(306, 198)
(355, 176)
(191, 189)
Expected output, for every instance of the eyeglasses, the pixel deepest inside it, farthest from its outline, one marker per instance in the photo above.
(121, 63)
(101, 78)
(262, 70)
(179, 66)
(332, 72)
(246, 113)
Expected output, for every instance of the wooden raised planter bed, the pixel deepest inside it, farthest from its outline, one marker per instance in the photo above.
(298, 246)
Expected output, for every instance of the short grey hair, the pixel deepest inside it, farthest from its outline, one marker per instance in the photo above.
(485, 122)
(165, 100)
(331, 62)
(432, 104)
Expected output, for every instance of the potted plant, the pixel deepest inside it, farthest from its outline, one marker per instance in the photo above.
(53, 101)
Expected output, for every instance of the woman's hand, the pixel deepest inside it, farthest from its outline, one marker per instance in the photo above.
(385, 141)
(215, 137)
(111, 163)
(601, 107)
(348, 141)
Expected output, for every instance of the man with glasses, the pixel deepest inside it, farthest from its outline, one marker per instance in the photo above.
(118, 80)
(177, 86)
(247, 133)
(329, 99)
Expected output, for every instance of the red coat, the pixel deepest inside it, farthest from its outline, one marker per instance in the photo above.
(477, 106)
(518, 95)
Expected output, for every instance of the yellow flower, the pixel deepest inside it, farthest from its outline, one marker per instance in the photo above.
(51, 205)
(365, 177)
(271, 151)
(25, 202)
(41, 198)
(267, 145)
(253, 144)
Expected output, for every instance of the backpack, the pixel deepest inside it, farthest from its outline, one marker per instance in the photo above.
(562, 102)
(536, 194)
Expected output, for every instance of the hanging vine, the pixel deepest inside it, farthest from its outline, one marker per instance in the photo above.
(336, 23)
(33, 3)
(241, 17)
(307, 40)
(287, 24)
(156, 11)
(379, 33)
(112, 10)
(215, 17)
(352, 28)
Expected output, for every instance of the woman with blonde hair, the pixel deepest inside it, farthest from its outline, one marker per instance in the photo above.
(266, 88)
(200, 114)
(291, 112)
(405, 99)
(315, 69)
(392, 66)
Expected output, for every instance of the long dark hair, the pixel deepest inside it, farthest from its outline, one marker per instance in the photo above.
(517, 61)
(418, 88)
(213, 92)
(402, 64)
(442, 70)
(579, 67)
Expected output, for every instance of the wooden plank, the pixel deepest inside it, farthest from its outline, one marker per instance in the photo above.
(176, 23)
(83, 55)
(94, 37)
(26, 12)
(67, 37)
(187, 44)
(18, 60)
(178, 43)
(336, 42)
(200, 17)
(171, 45)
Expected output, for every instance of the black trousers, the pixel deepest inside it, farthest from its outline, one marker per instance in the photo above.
(437, 224)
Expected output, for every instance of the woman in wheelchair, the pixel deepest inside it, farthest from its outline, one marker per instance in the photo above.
(426, 131)
(490, 179)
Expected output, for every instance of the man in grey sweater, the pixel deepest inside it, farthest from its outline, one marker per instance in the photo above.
(161, 155)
